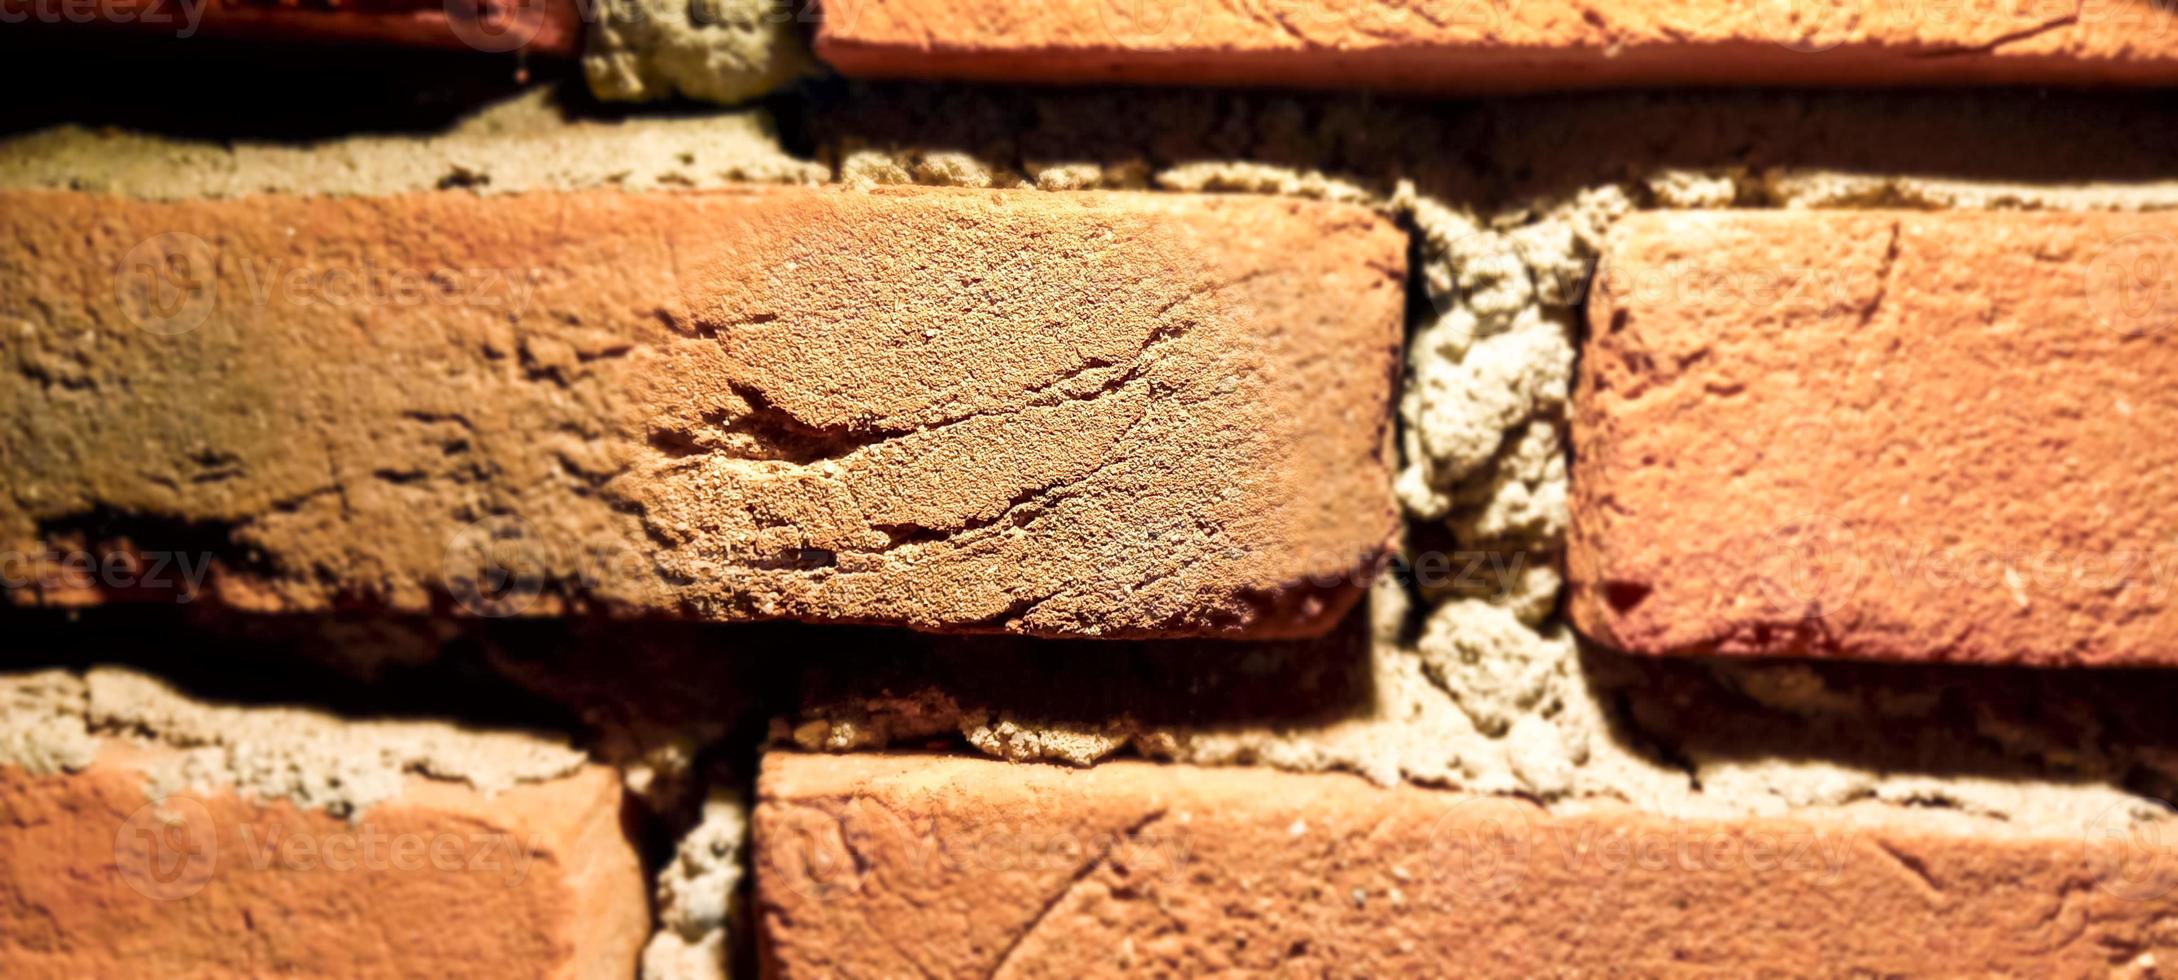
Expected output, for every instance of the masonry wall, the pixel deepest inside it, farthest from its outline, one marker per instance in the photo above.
(935, 488)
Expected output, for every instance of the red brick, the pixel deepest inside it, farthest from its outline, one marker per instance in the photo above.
(1886, 436)
(1504, 45)
(536, 27)
(934, 866)
(1088, 415)
(537, 881)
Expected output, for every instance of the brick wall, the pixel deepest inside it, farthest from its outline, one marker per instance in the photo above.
(1089, 488)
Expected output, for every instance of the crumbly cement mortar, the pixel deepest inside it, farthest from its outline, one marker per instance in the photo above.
(726, 51)
(42, 726)
(57, 719)
(657, 725)
(697, 891)
(525, 143)
(1477, 684)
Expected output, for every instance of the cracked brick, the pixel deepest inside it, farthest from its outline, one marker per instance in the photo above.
(541, 28)
(104, 879)
(917, 865)
(1499, 45)
(1880, 436)
(1079, 415)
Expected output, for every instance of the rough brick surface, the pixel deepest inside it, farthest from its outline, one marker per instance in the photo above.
(1501, 45)
(919, 865)
(1887, 436)
(536, 27)
(537, 881)
(1097, 415)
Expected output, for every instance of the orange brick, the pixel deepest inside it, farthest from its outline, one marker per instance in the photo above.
(537, 881)
(1086, 415)
(934, 866)
(1883, 436)
(1504, 45)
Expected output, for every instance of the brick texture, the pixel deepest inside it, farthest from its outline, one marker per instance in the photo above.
(1884, 436)
(918, 865)
(537, 881)
(537, 27)
(1084, 415)
(1500, 45)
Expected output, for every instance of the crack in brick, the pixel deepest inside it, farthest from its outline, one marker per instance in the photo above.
(1080, 876)
(1915, 868)
(2004, 40)
(793, 439)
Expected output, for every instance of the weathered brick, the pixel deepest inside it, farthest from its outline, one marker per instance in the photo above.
(1893, 436)
(918, 865)
(1500, 45)
(552, 28)
(1095, 415)
(538, 880)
